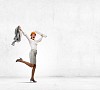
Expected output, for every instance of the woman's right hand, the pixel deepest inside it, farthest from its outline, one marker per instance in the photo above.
(20, 28)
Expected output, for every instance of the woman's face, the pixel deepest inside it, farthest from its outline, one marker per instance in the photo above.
(33, 36)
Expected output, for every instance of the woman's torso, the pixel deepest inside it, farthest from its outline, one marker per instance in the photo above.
(33, 44)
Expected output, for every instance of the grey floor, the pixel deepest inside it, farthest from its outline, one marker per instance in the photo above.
(50, 83)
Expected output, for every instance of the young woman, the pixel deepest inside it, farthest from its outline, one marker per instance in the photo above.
(33, 43)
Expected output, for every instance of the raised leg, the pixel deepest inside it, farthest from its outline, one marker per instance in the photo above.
(27, 63)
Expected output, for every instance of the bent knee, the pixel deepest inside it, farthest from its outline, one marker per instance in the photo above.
(33, 65)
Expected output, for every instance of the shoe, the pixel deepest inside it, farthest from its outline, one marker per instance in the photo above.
(33, 81)
(18, 59)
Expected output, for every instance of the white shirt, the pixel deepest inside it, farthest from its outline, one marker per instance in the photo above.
(33, 43)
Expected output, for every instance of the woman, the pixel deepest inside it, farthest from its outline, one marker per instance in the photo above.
(33, 43)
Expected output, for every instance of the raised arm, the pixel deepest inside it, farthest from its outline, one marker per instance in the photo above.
(25, 35)
(40, 39)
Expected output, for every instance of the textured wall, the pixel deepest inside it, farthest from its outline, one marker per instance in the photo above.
(72, 47)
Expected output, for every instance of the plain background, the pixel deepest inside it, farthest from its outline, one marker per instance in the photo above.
(72, 46)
